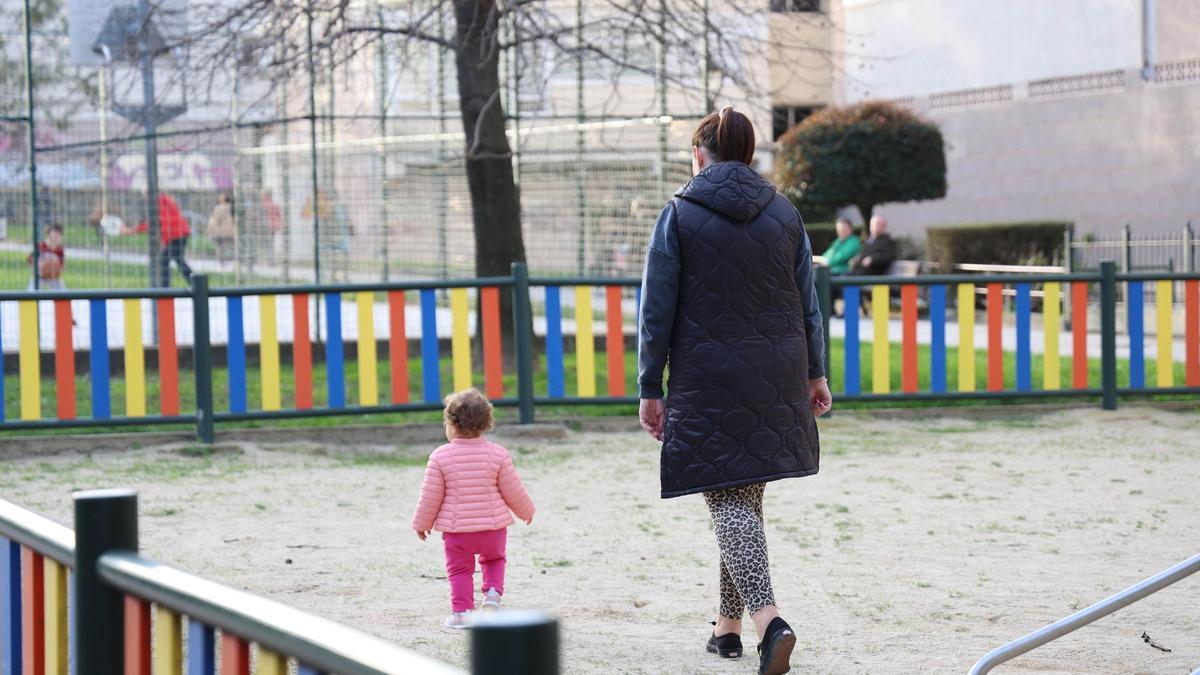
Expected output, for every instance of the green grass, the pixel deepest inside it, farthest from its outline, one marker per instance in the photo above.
(320, 379)
(91, 274)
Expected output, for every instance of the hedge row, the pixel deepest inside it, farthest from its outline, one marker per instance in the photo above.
(1018, 243)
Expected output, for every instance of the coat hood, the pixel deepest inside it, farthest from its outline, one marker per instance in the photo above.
(731, 189)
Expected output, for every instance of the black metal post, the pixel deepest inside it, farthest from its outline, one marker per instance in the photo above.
(150, 122)
(312, 149)
(523, 330)
(825, 300)
(1108, 333)
(203, 359)
(31, 138)
(515, 642)
(105, 520)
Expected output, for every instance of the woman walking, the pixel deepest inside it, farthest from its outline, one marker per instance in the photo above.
(728, 303)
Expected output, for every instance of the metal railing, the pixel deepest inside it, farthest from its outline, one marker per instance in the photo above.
(1086, 616)
(114, 590)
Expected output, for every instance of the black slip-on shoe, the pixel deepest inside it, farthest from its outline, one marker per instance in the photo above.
(727, 646)
(775, 651)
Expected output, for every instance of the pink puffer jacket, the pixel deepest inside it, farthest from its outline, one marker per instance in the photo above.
(470, 485)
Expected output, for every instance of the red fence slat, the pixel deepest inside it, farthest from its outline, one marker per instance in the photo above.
(1192, 331)
(493, 351)
(908, 348)
(614, 341)
(168, 357)
(302, 352)
(64, 360)
(137, 636)
(995, 317)
(33, 613)
(1079, 358)
(235, 655)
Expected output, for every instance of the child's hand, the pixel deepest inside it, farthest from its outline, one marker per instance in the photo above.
(529, 520)
(421, 534)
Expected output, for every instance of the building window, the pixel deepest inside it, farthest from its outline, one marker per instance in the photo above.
(795, 5)
(786, 117)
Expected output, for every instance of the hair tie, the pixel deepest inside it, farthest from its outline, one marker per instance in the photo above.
(721, 115)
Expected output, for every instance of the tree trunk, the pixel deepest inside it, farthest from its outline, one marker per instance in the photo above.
(866, 210)
(495, 209)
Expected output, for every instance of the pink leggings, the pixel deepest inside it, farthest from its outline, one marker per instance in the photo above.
(461, 549)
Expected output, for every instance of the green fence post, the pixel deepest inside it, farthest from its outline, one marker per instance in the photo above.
(825, 301)
(523, 331)
(1108, 333)
(203, 360)
(105, 520)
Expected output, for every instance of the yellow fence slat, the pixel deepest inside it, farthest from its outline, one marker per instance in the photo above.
(460, 339)
(168, 643)
(966, 337)
(880, 366)
(135, 360)
(1051, 321)
(54, 618)
(368, 364)
(585, 344)
(269, 352)
(1165, 361)
(270, 663)
(31, 376)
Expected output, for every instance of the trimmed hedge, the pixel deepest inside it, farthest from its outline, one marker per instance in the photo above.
(1017, 243)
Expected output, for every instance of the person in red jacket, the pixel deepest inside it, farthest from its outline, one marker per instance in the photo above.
(173, 230)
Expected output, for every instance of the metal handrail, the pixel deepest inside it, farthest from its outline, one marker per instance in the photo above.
(1083, 617)
(111, 294)
(935, 279)
(291, 289)
(38, 533)
(315, 642)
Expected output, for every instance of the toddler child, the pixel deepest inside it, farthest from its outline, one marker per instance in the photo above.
(470, 486)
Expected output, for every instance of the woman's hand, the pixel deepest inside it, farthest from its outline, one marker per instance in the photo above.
(818, 396)
(651, 416)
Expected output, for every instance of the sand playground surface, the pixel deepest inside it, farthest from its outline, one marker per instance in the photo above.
(923, 543)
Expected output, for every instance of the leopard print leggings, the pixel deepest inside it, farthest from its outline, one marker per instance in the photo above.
(745, 576)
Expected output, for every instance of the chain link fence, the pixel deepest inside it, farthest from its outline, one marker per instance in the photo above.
(353, 192)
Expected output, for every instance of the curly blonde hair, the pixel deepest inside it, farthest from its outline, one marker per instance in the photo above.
(469, 413)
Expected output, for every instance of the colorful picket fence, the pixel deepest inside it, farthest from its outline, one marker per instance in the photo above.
(1008, 335)
(55, 618)
(358, 349)
(617, 324)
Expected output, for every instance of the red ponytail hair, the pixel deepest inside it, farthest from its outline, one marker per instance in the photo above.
(728, 135)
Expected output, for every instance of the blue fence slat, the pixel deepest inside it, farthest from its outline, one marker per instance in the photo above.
(202, 654)
(101, 398)
(852, 373)
(10, 607)
(236, 354)
(431, 377)
(335, 355)
(555, 381)
(1024, 364)
(1137, 335)
(307, 670)
(937, 342)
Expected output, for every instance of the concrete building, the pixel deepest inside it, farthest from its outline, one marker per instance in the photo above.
(1081, 110)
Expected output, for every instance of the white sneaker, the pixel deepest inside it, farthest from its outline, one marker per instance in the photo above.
(491, 600)
(458, 620)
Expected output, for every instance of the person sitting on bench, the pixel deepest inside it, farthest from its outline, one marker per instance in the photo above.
(878, 253)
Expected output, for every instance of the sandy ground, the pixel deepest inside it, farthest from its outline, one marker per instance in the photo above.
(922, 544)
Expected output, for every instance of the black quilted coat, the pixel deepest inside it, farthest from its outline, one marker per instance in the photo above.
(737, 403)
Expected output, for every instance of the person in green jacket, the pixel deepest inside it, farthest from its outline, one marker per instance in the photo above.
(845, 247)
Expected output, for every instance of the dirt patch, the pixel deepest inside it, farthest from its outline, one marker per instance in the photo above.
(921, 545)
